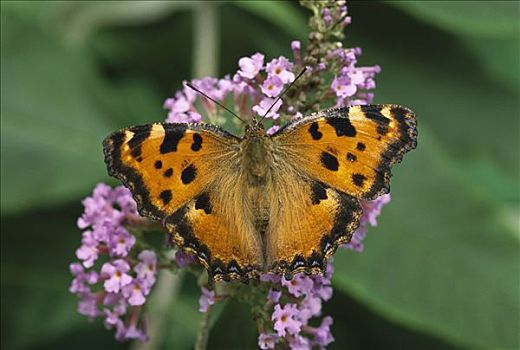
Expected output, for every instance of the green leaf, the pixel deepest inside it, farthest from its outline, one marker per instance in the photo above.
(181, 324)
(37, 307)
(51, 127)
(80, 20)
(443, 259)
(492, 19)
(499, 59)
(282, 14)
(488, 29)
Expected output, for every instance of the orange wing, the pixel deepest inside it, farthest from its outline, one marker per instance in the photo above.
(351, 149)
(177, 172)
(166, 165)
(309, 223)
(341, 155)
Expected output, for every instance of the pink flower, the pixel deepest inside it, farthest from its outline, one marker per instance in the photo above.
(206, 299)
(285, 319)
(298, 285)
(120, 242)
(343, 86)
(372, 209)
(272, 130)
(274, 295)
(116, 275)
(310, 306)
(82, 279)
(270, 277)
(299, 342)
(282, 68)
(88, 252)
(136, 291)
(147, 267)
(88, 305)
(323, 335)
(267, 341)
(326, 16)
(183, 259)
(250, 66)
(272, 86)
(264, 105)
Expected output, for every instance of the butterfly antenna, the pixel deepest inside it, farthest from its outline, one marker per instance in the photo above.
(283, 93)
(214, 101)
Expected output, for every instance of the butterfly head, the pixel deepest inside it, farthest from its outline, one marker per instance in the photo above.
(254, 129)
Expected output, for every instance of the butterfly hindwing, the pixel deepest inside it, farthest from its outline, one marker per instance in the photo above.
(223, 241)
(310, 222)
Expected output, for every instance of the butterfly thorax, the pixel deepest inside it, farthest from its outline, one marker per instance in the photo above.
(256, 150)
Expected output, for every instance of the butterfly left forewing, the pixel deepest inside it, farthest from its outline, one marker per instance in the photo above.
(165, 165)
(337, 157)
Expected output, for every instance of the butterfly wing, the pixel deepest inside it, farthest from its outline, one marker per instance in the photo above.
(174, 172)
(344, 155)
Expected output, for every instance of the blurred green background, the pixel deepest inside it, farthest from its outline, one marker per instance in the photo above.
(440, 272)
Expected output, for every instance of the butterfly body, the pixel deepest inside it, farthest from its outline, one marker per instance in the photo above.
(278, 203)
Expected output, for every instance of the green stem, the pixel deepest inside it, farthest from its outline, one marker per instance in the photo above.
(205, 39)
(204, 327)
(164, 294)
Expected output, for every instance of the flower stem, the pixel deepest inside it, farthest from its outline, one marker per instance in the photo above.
(204, 327)
(205, 39)
(166, 290)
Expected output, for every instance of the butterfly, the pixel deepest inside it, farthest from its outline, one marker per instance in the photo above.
(279, 203)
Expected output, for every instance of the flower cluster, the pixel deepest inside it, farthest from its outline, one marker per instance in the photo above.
(253, 90)
(119, 287)
(294, 302)
(255, 86)
(117, 270)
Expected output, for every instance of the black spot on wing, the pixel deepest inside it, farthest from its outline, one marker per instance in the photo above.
(358, 179)
(197, 142)
(168, 172)
(158, 164)
(141, 133)
(319, 192)
(172, 136)
(361, 146)
(314, 131)
(202, 202)
(374, 113)
(329, 161)
(351, 157)
(342, 126)
(188, 174)
(166, 196)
